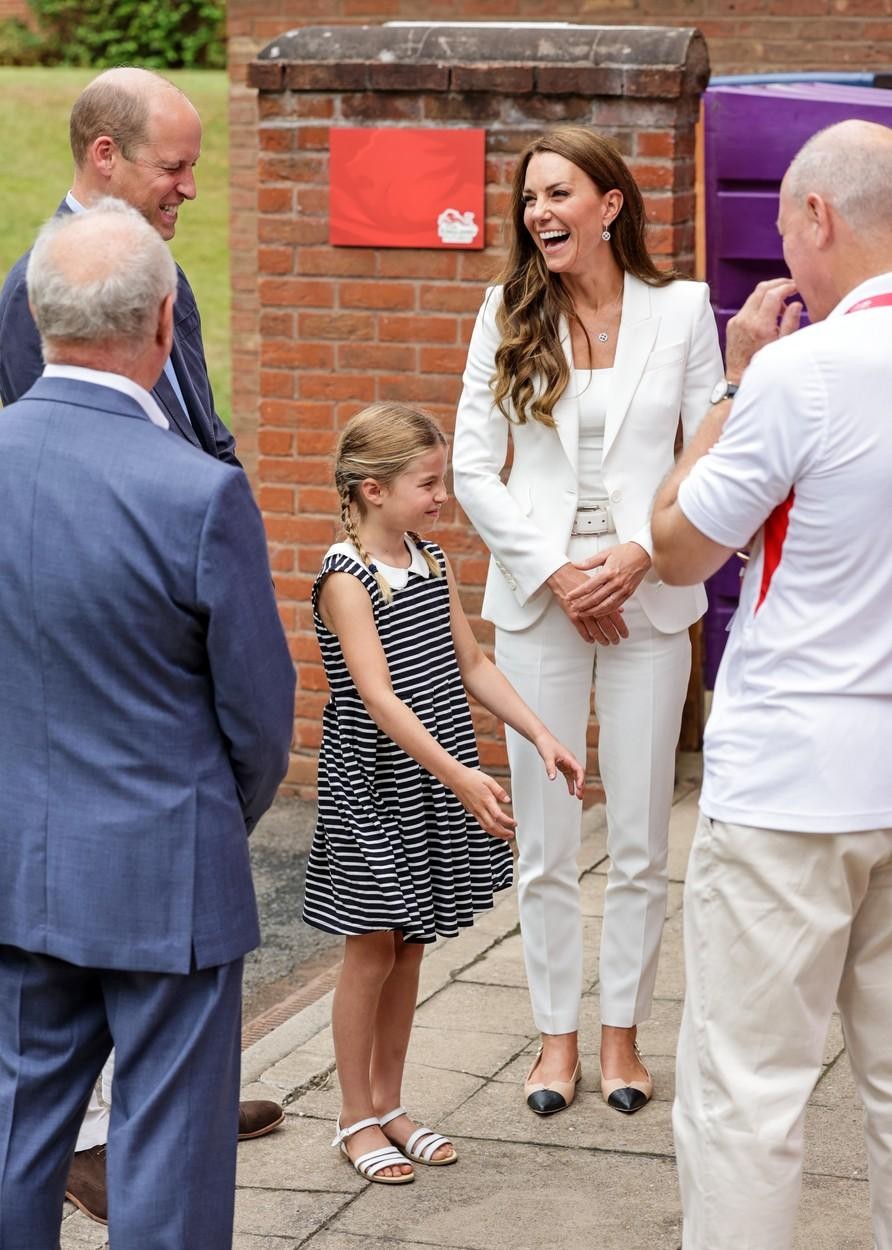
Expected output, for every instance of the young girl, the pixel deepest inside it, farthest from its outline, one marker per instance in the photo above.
(400, 854)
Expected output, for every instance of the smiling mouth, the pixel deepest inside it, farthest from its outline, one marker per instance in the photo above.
(551, 240)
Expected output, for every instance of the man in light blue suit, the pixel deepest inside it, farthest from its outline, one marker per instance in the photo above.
(134, 136)
(146, 702)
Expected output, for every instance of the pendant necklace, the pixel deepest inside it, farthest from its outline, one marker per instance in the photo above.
(603, 336)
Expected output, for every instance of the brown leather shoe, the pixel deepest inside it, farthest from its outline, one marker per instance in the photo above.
(85, 1186)
(256, 1119)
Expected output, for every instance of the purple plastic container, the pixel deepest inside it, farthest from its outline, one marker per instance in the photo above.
(751, 132)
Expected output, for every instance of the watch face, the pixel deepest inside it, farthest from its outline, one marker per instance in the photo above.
(720, 390)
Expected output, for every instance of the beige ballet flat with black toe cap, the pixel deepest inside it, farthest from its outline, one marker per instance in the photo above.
(547, 1099)
(627, 1096)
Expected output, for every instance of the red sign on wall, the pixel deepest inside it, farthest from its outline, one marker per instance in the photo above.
(406, 188)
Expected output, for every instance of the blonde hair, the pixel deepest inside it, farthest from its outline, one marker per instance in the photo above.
(381, 442)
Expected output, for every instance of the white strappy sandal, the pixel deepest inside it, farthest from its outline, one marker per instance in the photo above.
(369, 1165)
(423, 1143)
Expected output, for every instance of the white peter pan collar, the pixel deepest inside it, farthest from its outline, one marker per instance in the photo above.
(396, 578)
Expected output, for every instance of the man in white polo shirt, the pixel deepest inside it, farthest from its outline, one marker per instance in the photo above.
(788, 904)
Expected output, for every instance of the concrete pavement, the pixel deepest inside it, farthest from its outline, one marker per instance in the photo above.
(585, 1178)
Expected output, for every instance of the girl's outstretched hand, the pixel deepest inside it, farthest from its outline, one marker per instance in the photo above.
(557, 759)
(484, 798)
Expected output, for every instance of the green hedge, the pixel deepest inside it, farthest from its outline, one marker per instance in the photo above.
(182, 34)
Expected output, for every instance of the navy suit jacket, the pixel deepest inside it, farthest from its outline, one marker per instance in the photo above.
(21, 362)
(146, 689)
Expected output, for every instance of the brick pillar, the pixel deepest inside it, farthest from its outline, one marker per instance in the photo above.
(340, 327)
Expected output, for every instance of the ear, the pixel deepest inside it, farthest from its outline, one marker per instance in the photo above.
(372, 492)
(102, 155)
(612, 203)
(164, 330)
(820, 218)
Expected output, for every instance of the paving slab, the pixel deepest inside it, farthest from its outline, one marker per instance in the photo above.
(833, 1215)
(670, 974)
(834, 1141)
(682, 824)
(359, 1241)
(466, 1050)
(522, 1182)
(501, 965)
(430, 1094)
(488, 1008)
(247, 1241)
(521, 1197)
(79, 1233)
(283, 1212)
(836, 1084)
(296, 1157)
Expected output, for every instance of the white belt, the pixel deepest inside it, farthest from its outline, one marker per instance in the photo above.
(594, 519)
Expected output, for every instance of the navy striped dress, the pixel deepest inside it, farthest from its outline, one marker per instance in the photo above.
(393, 848)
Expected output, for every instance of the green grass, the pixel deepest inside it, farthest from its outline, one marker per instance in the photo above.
(34, 108)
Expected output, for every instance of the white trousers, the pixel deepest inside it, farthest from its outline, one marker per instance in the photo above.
(94, 1126)
(640, 687)
(778, 928)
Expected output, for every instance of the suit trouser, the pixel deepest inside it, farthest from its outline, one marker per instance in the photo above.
(778, 927)
(640, 687)
(174, 1119)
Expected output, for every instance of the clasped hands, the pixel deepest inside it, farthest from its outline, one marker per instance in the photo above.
(594, 600)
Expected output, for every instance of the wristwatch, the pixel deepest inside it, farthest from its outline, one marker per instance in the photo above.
(724, 390)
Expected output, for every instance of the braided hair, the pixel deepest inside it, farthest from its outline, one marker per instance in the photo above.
(380, 442)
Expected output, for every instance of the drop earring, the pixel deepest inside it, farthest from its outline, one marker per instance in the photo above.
(605, 235)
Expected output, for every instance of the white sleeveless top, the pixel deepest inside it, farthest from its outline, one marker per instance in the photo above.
(591, 387)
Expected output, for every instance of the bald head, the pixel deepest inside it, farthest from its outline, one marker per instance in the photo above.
(96, 284)
(849, 166)
(119, 104)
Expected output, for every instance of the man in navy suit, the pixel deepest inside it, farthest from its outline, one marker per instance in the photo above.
(136, 137)
(147, 697)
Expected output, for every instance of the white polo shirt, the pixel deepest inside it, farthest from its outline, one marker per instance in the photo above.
(800, 735)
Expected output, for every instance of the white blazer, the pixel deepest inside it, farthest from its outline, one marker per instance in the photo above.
(667, 363)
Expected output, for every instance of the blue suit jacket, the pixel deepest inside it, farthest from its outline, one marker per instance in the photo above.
(146, 690)
(21, 362)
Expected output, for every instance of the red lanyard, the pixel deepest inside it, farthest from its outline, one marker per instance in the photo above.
(872, 301)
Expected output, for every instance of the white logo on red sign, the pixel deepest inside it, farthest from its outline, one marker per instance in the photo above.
(456, 227)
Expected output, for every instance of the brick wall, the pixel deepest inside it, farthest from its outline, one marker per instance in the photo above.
(743, 36)
(14, 8)
(340, 327)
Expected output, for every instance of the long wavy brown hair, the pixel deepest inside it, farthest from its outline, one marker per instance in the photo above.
(531, 368)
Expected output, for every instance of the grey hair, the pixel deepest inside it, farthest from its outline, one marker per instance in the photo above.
(99, 276)
(850, 166)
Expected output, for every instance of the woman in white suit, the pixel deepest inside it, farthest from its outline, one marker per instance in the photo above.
(585, 358)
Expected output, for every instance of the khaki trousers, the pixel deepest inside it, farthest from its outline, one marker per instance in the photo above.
(779, 927)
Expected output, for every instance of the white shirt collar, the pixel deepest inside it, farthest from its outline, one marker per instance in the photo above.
(117, 382)
(73, 204)
(396, 577)
(880, 284)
